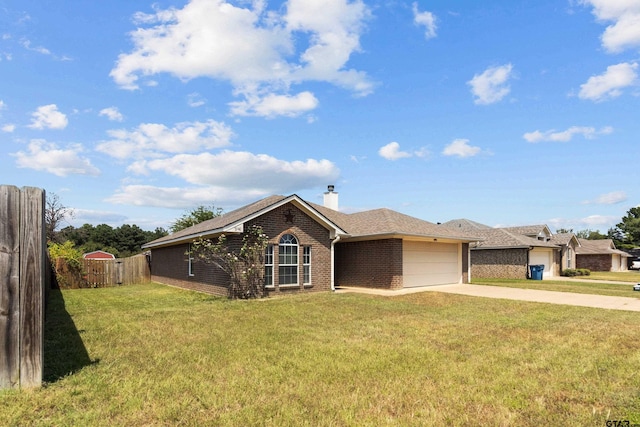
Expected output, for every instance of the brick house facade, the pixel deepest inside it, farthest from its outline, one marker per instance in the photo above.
(500, 263)
(601, 255)
(371, 263)
(333, 248)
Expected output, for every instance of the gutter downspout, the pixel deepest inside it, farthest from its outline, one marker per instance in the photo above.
(333, 262)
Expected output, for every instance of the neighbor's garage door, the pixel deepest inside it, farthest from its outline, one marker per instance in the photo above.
(539, 256)
(427, 263)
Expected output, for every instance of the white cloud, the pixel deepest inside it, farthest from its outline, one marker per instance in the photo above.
(612, 198)
(392, 151)
(195, 100)
(460, 148)
(610, 84)
(566, 135)
(47, 157)
(112, 113)
(87, 216)
(151, 139)
(39, 49)
(491, 86)
(599, 220)
(182, 197)
(236, 177)
(252, 48)
(275, 105)
(426, 19)
(624, 32)
(26, 43)
(240, 169)
(48, 117)
(2, 105)
(592, 222)
(8, 128)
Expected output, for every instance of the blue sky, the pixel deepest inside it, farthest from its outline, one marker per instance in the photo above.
(505, 112)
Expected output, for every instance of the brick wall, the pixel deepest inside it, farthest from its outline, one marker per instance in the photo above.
(465, 263)
(594, 262)
(288, 219)
(170, 265)
(372, 264)
(499, 264)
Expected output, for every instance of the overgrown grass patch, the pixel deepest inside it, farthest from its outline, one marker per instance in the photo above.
(154, 355)
(593, 287)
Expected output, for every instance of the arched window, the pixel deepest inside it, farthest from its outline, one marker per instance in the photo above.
(288, 260)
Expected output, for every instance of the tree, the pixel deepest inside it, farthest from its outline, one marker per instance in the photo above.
(564, 230)
(591, 235)
(195, 216)
(54, 213)
(72, 257)
(630, 228)
(244, 267)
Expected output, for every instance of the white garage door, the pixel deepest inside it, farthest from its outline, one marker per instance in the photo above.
(539, 256)
(427, 263)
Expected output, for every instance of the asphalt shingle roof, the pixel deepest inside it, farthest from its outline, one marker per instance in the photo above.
(386, 221)
(508, 237)
(598, 247)
(370, 223)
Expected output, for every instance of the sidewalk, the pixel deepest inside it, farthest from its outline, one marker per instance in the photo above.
(533, 295)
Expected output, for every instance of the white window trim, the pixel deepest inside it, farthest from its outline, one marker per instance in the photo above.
(284, 244)
(269, 254)
(306, 264)
(190, 268)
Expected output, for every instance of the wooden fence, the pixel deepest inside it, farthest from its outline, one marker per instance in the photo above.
(22, 286)
(103, 273)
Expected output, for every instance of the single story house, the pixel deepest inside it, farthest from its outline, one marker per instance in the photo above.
(99, 255)
(601, 255)
(317, 248)
(569, 244)
(509, 252)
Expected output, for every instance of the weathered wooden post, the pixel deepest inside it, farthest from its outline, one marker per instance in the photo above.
(10, 286)
(22, 286)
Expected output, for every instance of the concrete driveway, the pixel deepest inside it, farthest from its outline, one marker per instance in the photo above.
(550, 297)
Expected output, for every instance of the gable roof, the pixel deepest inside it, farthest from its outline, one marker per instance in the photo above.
(500, 238)
(599, 247)
(379, 223)
(367, 225)
(232, 222)
(529, 230)
(503, 238)
(564, 239)
(466, 224)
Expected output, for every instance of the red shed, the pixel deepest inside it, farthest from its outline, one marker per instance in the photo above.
(98, 255)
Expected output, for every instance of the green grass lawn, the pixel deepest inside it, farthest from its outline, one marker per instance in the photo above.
(586, 287)
(155, 355)
(622, 276)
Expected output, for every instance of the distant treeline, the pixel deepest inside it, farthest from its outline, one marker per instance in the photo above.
(123, 241)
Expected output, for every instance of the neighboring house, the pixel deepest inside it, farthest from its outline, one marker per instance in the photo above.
(99, 255)
(569, 244)
(601, 255)
(316, 248)
(509, 252)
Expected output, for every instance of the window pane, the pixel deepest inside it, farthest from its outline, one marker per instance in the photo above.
(268, 266)
(288, 275)
(306, 261)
